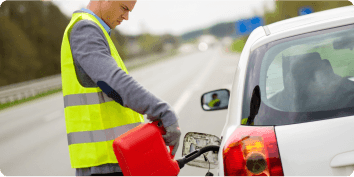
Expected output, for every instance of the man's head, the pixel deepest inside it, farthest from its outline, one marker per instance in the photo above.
(112, 12)
(215, 96)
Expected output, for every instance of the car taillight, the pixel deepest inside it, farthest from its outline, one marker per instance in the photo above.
(252, 151)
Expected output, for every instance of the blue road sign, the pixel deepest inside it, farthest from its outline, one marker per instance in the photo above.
(305, 10)
(246, 26)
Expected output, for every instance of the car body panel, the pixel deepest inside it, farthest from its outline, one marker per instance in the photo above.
(316, 26)
(310, 148)
(343, 159)
(305, 133)
(307, 23)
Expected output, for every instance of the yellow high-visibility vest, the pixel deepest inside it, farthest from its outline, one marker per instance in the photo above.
(244, 121)
(213, 102)
(93, 120)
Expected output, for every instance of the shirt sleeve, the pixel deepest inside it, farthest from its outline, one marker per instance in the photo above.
(91, 51)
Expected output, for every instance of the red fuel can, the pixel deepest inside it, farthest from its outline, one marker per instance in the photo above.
(142, 152)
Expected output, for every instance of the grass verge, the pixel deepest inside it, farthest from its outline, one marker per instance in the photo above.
(238, 44)
(10, 104)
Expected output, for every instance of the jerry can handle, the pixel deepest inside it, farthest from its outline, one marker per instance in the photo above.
(159, 125)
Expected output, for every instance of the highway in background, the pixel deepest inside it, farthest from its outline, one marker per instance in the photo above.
(33, 138)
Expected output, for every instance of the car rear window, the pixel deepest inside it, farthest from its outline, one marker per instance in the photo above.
(301, 78)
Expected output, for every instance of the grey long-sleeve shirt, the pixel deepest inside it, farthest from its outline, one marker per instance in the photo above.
(96, 67)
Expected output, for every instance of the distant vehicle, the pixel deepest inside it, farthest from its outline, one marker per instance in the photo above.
(226, 41)
(291, 108)
(186, 48)
(203, 46)
(206, 41)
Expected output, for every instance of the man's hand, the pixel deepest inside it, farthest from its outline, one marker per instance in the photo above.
(172, 136)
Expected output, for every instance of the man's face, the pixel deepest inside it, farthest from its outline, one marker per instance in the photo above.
(114, 12)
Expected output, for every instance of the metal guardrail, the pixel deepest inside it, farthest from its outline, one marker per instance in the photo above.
(27, 89)
(30, 88)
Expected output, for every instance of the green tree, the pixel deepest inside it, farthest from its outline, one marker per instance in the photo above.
(222, 29)
(171, 39)
(150, 43)
(120, 43)
(31, 33)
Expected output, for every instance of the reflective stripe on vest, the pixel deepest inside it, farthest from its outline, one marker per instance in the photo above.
(86, 99)
(244, 121)
(99, 135)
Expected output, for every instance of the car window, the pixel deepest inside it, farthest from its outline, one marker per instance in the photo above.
(341, 62)
(302, 78)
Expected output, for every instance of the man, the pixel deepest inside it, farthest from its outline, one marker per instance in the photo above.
(101, 101)
(215, 101)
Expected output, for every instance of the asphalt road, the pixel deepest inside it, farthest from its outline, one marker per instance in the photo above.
(33, 138)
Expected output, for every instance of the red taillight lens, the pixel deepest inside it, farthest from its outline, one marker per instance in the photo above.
(252, 151)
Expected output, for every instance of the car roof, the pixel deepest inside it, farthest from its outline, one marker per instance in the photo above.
(311, 18)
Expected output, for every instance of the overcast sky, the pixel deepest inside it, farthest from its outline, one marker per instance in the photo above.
(179, 16)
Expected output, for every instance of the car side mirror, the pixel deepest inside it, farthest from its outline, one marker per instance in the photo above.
(215, 100)
(194, 141)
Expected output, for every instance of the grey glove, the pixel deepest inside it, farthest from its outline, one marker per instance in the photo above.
(172, 136)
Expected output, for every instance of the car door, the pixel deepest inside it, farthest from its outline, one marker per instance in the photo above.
(318, 148)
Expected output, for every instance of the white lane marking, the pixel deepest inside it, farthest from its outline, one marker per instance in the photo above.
(182, 101)
(198, 82)
(54, 115)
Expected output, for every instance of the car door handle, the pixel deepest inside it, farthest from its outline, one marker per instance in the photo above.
(343, 159)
